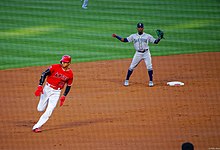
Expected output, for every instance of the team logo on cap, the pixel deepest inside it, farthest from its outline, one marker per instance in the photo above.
(140, 25)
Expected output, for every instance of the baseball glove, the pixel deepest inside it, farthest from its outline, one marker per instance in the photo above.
(160, 33)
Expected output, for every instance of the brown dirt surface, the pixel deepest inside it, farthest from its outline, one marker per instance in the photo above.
(101, 114)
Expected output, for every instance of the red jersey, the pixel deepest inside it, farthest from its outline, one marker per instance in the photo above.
(58, 77)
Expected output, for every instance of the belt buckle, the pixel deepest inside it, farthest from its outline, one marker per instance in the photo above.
(142, 51)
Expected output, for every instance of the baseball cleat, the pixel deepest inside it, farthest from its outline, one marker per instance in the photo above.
(84, 7)
(151, 84)
(126, 83)
(37, 130)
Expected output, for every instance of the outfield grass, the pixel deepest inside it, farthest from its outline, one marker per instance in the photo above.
(34, 33)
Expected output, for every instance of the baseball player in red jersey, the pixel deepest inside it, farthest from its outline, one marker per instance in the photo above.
(56, 76)
(140, 40)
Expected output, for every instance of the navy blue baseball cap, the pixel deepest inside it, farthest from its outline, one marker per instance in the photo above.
(187, 146)
(140, 25)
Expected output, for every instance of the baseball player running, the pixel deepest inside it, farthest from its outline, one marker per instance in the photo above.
(57, 76)
(140, 40)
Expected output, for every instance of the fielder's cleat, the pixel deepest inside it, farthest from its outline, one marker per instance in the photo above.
(126, 83)
(151, 84)
(37, 130)
(83, 7)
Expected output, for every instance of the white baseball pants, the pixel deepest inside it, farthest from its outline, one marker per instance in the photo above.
(85, 3)
(49, 99)
(138, 56)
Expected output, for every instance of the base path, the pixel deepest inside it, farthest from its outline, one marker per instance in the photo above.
(101, 114)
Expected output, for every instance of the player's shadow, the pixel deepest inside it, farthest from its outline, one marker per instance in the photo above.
(80, 123)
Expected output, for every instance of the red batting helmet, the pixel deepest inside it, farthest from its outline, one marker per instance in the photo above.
(66, 59)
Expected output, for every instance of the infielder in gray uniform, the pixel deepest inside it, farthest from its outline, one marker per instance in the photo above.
(140, 40)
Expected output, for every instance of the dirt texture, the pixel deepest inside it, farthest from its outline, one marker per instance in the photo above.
(101, 114)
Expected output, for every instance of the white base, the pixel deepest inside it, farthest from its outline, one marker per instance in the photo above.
(175, 83)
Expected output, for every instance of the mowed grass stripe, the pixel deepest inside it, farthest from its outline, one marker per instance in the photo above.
(50, 10)
(49, 29)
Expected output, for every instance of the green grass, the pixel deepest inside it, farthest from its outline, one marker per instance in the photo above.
(34, 33)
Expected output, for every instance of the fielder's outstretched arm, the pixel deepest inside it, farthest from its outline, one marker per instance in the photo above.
(119, 38)
(157, 41)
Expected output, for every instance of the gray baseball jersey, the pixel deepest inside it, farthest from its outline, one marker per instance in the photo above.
(142, 49)
(141, 41)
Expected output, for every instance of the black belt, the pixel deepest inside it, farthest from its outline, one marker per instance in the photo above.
(142, 51)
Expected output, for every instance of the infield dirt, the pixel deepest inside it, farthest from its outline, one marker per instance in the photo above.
(101, 114)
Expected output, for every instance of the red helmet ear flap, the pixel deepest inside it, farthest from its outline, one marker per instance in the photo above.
(66, 59)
